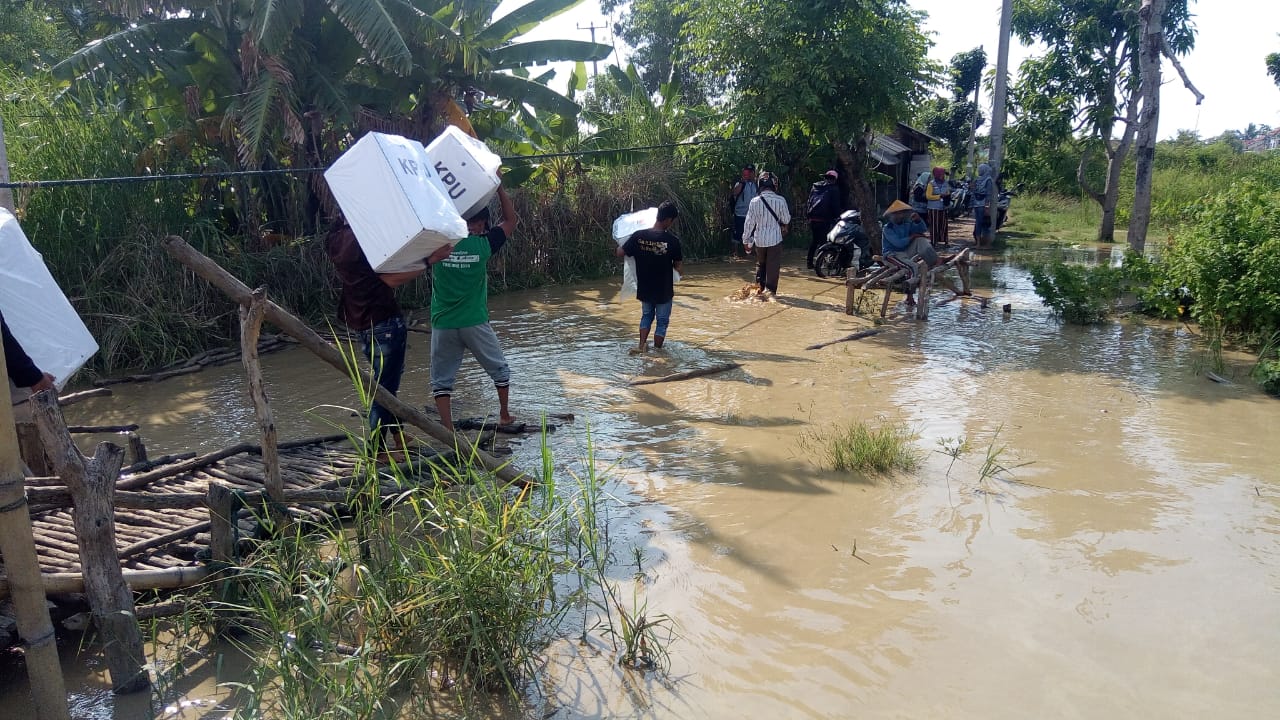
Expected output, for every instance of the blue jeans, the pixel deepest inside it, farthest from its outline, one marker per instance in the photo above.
(647, 312)
(384, 346)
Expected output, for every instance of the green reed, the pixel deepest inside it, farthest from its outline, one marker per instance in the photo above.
(859, 446)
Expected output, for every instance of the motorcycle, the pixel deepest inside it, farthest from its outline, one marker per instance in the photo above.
(959, 206)
(846, 244)
(1002, 204)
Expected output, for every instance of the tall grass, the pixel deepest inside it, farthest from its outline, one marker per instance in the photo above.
(859, 446)
(449, 592)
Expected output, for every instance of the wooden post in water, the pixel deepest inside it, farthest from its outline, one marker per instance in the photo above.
(21, 565)
(214, 274)
(850, 290)
(250, 327)
(92, 483)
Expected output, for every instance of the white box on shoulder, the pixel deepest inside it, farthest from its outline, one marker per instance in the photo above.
(38, 314)
(398, 214)
(464, 169)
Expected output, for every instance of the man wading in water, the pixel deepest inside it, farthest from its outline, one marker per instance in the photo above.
(460, 310)
(368, 307)
(657, 253)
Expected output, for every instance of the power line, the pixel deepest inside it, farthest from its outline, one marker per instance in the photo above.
(35, 184)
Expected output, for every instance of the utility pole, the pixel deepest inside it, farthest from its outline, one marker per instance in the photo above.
(998, 112)
(6, 195)
(593, 27)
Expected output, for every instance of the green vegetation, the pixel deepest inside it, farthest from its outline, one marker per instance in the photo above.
(862, 447)
(1076, 293)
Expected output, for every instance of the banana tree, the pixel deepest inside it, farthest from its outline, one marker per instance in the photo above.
(277, 71)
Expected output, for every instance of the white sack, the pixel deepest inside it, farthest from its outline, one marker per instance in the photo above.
(383, 185)
(623, 228)
(39, 315)
(464, 170)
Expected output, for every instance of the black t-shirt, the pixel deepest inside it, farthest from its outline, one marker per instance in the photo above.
(656, 252)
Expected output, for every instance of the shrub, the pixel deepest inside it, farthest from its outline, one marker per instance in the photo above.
(1228, 258)
(1076, 293)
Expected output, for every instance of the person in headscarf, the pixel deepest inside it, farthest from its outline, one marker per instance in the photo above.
(983, 203)
(937, 193)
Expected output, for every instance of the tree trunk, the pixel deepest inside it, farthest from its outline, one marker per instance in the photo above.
(92, 484)
(853, 165)
(1115, 168)
(1151, 17)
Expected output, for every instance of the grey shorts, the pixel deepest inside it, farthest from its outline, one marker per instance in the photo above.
(447, 345)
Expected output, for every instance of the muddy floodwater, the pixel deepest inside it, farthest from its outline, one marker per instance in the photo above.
(1128, 565)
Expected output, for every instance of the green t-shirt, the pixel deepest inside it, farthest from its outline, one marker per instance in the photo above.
(460, 282)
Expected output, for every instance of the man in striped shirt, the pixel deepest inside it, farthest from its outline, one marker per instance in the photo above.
(767, 220)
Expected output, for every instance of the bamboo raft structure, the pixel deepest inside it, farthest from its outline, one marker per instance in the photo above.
(96, 533)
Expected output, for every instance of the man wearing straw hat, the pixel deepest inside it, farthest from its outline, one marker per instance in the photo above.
(906, 236)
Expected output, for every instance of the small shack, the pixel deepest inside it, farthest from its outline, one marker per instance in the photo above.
(901, 156)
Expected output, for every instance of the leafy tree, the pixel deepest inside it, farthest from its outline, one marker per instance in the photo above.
(29, 37)
(828, 71)
(955, 119)
(1273, 67)
(1089, 76)
(657, 31)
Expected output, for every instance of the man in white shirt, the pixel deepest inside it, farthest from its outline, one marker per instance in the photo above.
(767, 221)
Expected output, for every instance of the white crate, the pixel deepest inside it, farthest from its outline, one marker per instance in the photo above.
(38, 314)
(464, 169)
(399, 216)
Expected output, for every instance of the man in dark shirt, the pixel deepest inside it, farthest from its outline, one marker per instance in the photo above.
(657, 253)
(368, 307)
(23, 372)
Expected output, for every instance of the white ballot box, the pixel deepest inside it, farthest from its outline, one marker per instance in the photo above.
(464, 169)
(399, 216)
(38, 314)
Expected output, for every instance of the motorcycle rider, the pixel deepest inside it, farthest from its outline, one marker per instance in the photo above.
(826, 202)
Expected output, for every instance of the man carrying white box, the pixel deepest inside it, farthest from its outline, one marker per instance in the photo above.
(460, 310)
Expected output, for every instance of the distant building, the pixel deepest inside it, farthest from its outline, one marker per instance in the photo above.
(1264, 141)
(901, 156)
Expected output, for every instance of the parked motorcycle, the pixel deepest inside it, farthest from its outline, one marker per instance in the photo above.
(1002, 204)
(959, 206)
(846, 244)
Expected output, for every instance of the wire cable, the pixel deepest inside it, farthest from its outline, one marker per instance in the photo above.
(72, 182)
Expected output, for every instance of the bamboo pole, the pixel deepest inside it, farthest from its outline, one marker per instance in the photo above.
(688, 374)
(173, 578)
(250, 328)
(21, 565)
(92, 484)
(214, 274)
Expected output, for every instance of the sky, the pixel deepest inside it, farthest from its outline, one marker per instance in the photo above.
(1227, 65)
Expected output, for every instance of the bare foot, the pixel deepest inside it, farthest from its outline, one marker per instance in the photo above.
(507, 419)
(637, 351)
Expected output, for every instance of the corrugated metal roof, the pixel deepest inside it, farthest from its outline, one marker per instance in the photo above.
(887, 150)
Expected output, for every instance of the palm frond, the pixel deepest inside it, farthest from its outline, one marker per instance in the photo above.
(540, 52)
(134, 53)
(522, 20)
(272, 22)
(374, 28)
(520, 90)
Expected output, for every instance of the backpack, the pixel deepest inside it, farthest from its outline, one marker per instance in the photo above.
(824, 202)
